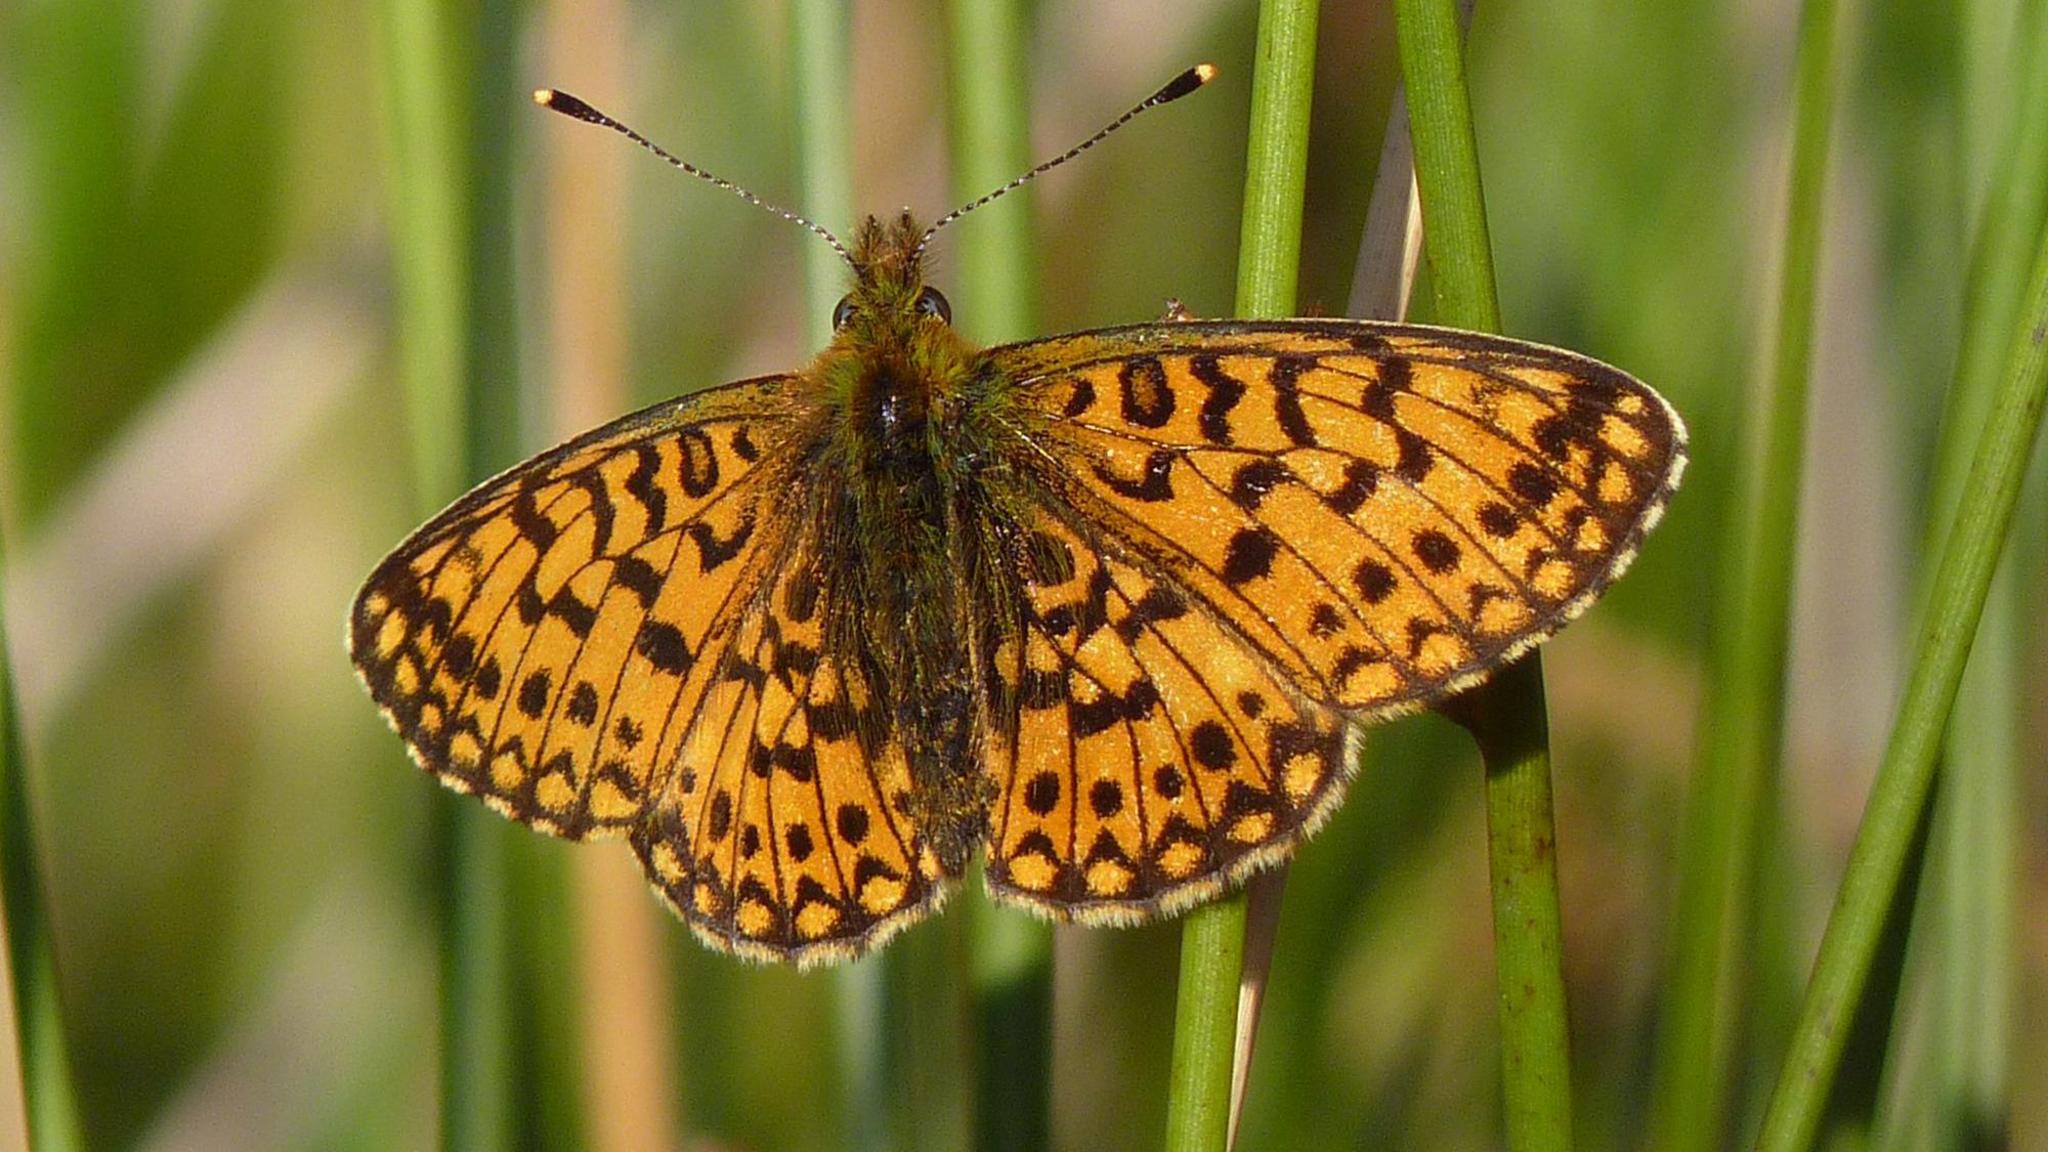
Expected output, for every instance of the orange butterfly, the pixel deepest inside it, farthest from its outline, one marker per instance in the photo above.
(1106, 606)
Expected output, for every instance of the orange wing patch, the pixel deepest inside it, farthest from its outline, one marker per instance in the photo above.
(1144, 756)
(1384, 512)
(538, 643)
(783, 837)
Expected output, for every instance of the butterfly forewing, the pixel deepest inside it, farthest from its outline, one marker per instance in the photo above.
(1383, 512)
(541, 643)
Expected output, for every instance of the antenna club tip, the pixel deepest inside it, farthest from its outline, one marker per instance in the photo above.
(556, 100)
(1184, 83)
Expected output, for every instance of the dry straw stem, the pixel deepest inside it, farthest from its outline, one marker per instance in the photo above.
(1506, 714)
(1269, 255)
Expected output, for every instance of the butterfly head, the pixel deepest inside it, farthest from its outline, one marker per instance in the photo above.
(894, 352)
(890, 301)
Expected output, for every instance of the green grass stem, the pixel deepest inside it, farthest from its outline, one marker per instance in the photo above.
(1010, 954)
(1507, 715)
(1269, 258)
(1744, 718)
(1959, 1096)
(821, 42)
(48, 1100)
(445, 75)
(989, 46)
(1205, 1027)
(1962, 580)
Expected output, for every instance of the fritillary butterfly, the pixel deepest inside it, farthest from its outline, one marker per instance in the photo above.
(1107, 607)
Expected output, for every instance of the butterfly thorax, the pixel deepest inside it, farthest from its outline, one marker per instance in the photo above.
(895, 492)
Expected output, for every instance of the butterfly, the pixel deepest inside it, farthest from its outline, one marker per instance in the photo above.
(1108, 608)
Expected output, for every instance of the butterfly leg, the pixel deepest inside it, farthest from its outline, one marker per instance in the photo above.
(1176, 312)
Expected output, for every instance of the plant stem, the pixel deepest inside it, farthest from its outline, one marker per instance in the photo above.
(1959, 1094)
(1743, 724)
(48, 1100)
(1507, 714)
(991, 143)
(821, 39)
(1269, 258)
(450, 222)
(1205, 1026)
(1276, 159)
(1968, 560)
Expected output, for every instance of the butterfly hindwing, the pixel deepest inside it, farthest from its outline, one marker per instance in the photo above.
(784, 837)
(1384, 512)
(540, 642)
(1144, 755)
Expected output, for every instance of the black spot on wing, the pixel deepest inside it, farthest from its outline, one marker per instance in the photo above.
(1532, 483)
(1147, 400)
(1225, 391)
(1361, 480)
(664, 647)
(531, 522)
(712, 550)
(638, 577)
(696, 462)
(583, 703)
(1438, 552)
(1080, 398)
(602, 514)
(533, 695)
(1042, 793)
(1498, 520)
(1254, 479)
(1250, 554)
(641, 486)
(1375, 580)
(1154, 486)
(1105, 798)
(570, 610)
(1286, 378)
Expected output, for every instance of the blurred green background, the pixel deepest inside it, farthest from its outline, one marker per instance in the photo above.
(203, 453)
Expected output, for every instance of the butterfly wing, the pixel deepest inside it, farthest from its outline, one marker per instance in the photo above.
(1384, 511)
(619, 637)
(541, 642)
(1143, 754)
(785, 835)
(1275, 527)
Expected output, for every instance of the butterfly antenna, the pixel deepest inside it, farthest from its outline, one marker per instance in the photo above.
(1176, 88)
(567, 105)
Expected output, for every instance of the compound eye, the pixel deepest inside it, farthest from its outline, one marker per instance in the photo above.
(842, 313)
(931, 303)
